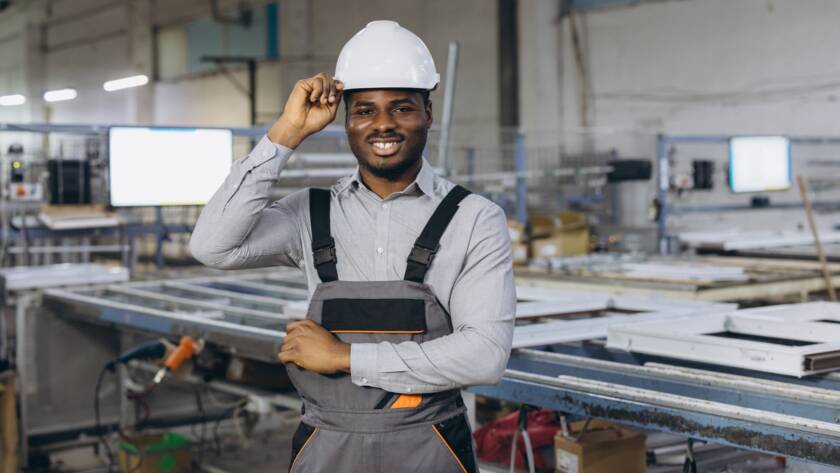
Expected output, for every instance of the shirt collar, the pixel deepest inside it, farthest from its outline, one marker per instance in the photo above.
(425, 180)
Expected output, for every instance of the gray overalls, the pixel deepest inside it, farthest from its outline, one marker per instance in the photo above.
(347, 428)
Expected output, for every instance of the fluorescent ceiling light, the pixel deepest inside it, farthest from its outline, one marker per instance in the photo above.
(12, 100)
(125, 83)
(60, 95)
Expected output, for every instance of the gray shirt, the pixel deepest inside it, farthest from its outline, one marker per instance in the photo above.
(471, 275)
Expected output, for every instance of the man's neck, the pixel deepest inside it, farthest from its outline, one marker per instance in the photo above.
(384, 187)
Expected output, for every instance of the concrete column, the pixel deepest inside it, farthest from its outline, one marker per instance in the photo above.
(139, 17)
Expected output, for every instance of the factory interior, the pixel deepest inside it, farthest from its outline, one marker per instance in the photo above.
(618, 220)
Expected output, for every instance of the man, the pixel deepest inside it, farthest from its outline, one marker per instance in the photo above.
(412, 287)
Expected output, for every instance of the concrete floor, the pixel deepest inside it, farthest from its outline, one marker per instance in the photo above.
(267, 450)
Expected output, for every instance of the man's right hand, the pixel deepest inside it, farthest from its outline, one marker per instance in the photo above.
(311, 106)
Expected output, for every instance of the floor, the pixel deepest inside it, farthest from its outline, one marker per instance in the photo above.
(266, 449)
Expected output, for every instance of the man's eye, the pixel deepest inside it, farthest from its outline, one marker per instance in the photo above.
(403, 109)
(363, 112)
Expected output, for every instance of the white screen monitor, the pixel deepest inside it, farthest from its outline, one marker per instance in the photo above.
(759, 164)
(151, 167)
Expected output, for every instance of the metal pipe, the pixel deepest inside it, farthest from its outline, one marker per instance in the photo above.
(693, 376)
(521, 164)
(123, 311)
(448, 103)
(666, 400)
(663, 184)
(209, 291)
(809, 213)
(183, 301)
(71, 249)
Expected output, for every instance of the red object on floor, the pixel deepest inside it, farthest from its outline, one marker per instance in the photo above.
(493, 440)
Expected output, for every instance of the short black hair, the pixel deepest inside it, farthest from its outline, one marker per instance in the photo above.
(424, 93)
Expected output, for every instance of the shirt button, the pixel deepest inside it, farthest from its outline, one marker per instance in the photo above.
(380, 250)
(384, 206)
(364, 380)
(408, 390)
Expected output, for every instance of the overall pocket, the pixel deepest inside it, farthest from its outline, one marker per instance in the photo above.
(300, 441)
(457, 438)
(445, 447)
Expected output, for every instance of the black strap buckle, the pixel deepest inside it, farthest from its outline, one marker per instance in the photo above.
(324, 254)
(422, 255)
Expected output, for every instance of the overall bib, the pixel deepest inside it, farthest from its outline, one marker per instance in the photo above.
(346, 428)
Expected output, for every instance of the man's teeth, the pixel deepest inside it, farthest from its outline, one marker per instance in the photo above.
(381, 145)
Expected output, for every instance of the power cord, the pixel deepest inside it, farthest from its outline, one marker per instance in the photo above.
(690, 464)
(522, 426)
(109, 367)
(151, 350)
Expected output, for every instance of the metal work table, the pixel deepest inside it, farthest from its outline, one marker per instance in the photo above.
(246, 313)
(767, 279)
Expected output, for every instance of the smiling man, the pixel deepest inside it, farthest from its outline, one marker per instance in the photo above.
(412, 293)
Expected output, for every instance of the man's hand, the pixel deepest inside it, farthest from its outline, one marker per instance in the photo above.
(313, 348)
(311, 106)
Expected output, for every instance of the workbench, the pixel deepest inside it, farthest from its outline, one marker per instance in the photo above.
(767, 280)
(245, 314)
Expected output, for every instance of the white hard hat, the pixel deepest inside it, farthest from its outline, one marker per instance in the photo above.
(384, 55)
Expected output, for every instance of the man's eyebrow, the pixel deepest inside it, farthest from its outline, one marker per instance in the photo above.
(404, 100)
(362, 104)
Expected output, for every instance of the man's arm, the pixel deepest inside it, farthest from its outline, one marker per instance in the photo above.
(237, 228)
(482, 306)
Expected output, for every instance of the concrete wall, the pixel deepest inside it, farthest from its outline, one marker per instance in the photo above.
(689, 67)
(86, 42)
(678, 66)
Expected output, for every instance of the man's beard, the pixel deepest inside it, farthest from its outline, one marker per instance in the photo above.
(392, 173)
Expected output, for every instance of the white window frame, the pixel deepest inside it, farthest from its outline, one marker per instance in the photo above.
(687, 338)
(561, 305)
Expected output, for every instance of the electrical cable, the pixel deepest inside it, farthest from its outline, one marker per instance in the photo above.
(199, 402)
(529, 451)
(154, 349)
(522, 426)
(97, 416)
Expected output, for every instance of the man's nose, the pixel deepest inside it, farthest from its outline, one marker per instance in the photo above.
(384, 122)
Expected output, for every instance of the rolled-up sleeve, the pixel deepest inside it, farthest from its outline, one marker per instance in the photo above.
(482, 305)
(239, 227)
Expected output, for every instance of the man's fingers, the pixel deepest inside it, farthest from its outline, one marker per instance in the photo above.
(295, 325)
(325, 95)
(333, 91)
(286, 357)
(317, 88)
(334, 103)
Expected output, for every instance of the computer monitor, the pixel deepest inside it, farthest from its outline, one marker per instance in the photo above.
(151, 167)
(759, 164)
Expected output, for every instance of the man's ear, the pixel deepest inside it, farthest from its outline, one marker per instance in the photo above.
(429, 115)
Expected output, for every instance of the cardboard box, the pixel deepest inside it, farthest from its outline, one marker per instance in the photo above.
(570, 243)
(540, 225)
(516, 231)
(520, 253)
(603, 448)
(570, 237)
(568, 220)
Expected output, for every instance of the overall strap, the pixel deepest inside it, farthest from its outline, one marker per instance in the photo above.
(428, 242)
(323, 245)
